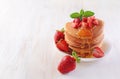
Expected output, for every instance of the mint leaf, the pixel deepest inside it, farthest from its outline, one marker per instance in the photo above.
(75, 15)
(88, 13)
(81, 13)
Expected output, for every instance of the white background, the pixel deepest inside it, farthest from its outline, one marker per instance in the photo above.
(27, 49)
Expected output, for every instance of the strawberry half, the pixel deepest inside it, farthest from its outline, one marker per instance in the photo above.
(62, 45)
(97, 52)
(58, 35)
(68, 63)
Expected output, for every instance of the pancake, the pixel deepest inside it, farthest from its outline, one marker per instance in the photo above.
(84, 45)
(78, 49)
(85, 53)
(70, 39)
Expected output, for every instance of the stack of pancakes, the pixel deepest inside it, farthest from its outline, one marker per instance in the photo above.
(84, 45)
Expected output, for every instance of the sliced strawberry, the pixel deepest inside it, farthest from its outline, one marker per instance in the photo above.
(92, 17)
(97, 52)
(80, 24)
(62, 45)
(67, 64)
(89, 22)
(75, 25)
(84, 19)
(77, 20)
(58, 35)
(95, 22)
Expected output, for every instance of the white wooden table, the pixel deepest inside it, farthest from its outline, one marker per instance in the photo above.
(27, 49)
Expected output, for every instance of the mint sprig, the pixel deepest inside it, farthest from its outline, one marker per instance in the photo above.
(81, 14)
(76, 56)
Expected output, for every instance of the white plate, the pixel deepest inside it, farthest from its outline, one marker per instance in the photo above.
(106, 47)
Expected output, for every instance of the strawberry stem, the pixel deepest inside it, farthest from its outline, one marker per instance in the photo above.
(76, 56)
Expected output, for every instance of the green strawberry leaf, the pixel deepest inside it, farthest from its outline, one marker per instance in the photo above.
(75, 15)
(88, 13)
(76, 56)
(78, 60)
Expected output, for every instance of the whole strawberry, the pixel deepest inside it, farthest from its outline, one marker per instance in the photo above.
(60, 42)
(68, 63)
(58, 35)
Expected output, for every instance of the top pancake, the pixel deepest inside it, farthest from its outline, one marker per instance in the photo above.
(73, 32)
